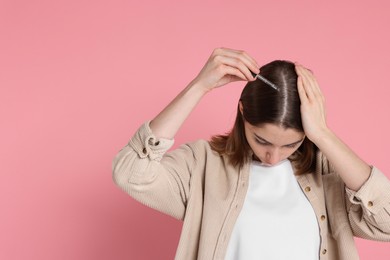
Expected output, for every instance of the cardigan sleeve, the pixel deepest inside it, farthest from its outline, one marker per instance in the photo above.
(151, 175)
(369, 207)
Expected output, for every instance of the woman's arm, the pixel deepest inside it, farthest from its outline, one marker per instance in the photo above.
(352, 170)
(161, 180)
(367, 189)
(223, 66)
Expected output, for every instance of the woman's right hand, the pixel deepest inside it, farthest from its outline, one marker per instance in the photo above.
(225, 66)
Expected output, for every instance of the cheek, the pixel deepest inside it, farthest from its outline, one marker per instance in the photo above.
(259, 150)
(291, 151)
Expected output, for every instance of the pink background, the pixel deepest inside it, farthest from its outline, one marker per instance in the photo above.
(77, 78)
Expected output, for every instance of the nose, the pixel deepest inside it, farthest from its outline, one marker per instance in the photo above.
(272, 157)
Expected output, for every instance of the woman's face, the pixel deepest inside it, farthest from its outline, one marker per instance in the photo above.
(271, 143)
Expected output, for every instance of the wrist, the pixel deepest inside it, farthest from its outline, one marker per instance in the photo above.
(197, 86)
(322, 137)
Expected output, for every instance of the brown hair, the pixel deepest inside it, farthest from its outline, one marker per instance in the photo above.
(263, 104)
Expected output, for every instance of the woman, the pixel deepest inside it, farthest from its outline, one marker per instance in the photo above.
(280, 185)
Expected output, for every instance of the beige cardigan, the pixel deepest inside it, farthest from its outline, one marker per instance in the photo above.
(197, 185)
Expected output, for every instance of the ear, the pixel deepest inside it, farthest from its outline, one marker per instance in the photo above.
(241, 108)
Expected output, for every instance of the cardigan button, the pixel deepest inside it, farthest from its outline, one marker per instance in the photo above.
(323, 217)
(370, 204)
(144, 151)
(307, 189)
(324, 251)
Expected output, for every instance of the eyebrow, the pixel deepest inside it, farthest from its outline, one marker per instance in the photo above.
(264, 140)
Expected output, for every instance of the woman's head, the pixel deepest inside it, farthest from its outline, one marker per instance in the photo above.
(263, 104)
(268, 121)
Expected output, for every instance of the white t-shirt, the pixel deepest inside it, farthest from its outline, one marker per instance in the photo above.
(277, 221)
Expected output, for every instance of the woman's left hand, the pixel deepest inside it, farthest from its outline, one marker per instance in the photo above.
(313, 112)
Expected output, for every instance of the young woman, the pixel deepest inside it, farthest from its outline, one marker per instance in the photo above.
(279, 185)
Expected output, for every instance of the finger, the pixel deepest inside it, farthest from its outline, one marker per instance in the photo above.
(301, 91)
(245, 54)
(313, 84)
(236, 63)
(245, 57)
(236, 73)
(252, 60)
(234, 78)
(305, 82)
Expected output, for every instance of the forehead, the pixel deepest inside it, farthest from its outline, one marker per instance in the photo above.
(275, 134)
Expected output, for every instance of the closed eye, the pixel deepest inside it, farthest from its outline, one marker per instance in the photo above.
(261, 142)
(291, 145)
